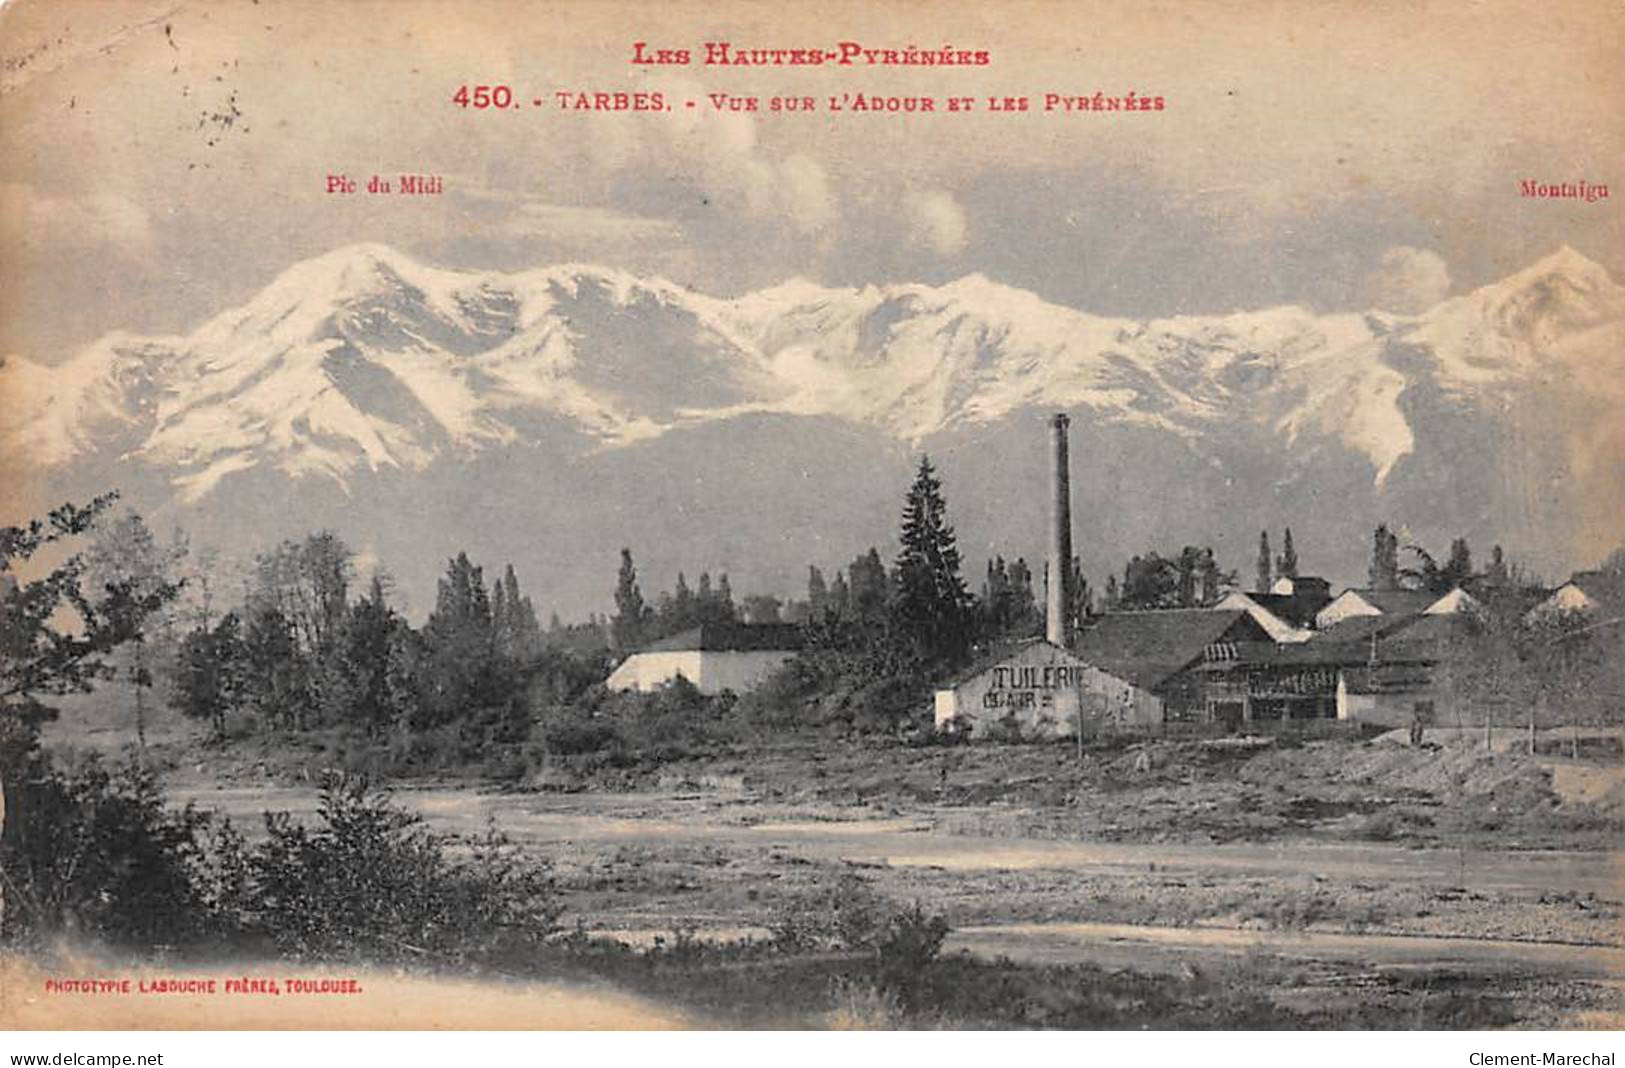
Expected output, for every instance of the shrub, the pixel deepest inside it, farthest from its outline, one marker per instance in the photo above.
(371, 883)
(910, 942)
(846, 916)
(94, 851)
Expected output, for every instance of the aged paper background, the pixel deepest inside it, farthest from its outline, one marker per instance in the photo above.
(164, 160)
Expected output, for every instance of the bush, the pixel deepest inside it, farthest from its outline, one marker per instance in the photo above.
(371, 883)
(93, 851)
(852, 917)
(910, 942)
(846, 916)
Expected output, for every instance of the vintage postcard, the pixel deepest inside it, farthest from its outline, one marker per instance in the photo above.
(901, 515)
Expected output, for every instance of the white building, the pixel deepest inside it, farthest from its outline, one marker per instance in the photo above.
(1394, 604)
(714, 657)
(1041, 689)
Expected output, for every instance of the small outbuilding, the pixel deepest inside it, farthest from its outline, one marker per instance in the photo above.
(713, 656)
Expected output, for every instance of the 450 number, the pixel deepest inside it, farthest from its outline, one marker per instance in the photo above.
(483, 96)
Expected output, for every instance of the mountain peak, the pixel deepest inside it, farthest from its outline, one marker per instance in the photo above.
(348, 269)
(1565, 266)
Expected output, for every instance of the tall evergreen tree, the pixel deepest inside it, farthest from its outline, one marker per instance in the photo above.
(1384, 571)
(369, 642)
(1024, 612)
(1286, 566)
(1261, 578)
(1459, 567)
(627, 627)
(817, 592)
(682, 606)
(1081, 596)
(518, 634)
(840, 595)
(499, 615)
(867, 586)
(1209, 578)
(930, 600)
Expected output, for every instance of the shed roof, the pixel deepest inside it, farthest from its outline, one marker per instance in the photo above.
(1147, 648)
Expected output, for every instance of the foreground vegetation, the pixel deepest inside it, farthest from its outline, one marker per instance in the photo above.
(365, 882)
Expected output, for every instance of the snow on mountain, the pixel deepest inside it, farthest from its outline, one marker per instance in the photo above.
(364, 359)
(1562, 315)
(89, 402)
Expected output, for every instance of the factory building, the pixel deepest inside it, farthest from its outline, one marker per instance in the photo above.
(1044, 687)
(1041, 690)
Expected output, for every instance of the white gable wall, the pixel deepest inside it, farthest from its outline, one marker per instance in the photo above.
(711, 670)
(1042, 690)
(1277, 628)
(1457, 600)
(1345, 605)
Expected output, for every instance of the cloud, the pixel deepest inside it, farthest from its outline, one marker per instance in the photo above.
(937, 220)
(719, 153)
(1408, 280)
(96, 220)
(570, 223)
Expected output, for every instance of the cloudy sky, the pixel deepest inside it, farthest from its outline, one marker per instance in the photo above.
(162, 160)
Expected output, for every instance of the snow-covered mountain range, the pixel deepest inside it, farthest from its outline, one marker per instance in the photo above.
(363, 368)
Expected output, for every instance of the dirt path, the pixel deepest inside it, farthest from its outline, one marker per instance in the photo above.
(1170, 948)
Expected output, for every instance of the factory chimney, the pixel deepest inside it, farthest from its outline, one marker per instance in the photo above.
(1057, 625)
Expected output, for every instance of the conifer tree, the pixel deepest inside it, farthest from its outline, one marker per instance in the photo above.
(867, 584)
(930, 600)
(817, 592)
(626, 629)
(1286, 566)
(840, 595)
(1458, 568)
(1384, 571)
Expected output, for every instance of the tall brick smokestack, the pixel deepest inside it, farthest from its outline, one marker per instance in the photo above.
(1059, 587)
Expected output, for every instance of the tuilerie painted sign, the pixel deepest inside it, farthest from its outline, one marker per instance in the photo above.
(1043, 689)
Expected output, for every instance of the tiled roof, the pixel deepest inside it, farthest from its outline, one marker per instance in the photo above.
(1147, 648)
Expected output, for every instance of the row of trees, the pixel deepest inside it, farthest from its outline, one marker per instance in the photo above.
(300, 652)
(637, 622)
(1508, 667)
(921, 604)
(1427, 573)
